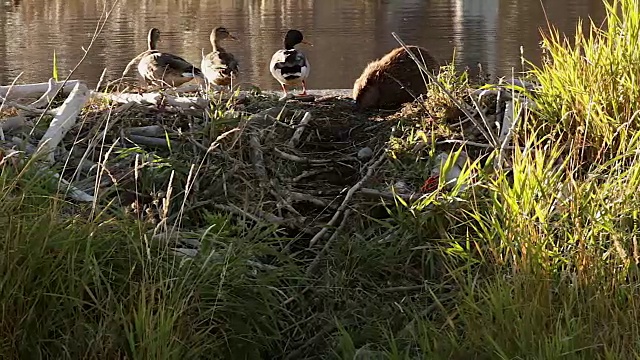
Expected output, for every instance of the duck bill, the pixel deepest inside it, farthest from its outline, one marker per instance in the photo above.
(231, 37)
(306, 42)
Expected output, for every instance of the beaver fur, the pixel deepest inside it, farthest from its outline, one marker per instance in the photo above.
(378, 85)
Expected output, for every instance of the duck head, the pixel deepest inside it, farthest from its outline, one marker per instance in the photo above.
(293, 38)
(152, 38)
(221, 33)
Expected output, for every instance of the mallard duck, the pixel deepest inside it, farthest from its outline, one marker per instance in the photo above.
(290, 66)
(158, 67)
(220, 67)
(393, 79)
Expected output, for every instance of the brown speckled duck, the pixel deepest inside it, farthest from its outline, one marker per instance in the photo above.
(219, 66)
(159, 67)
(384, 82)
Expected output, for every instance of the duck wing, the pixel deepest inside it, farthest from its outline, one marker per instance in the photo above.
(288, 59)
(224, 62)
(176, 63)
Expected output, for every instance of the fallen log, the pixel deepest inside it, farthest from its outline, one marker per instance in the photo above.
(64, 120)
(12, 92)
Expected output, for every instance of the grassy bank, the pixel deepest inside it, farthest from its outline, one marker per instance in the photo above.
(535, 259)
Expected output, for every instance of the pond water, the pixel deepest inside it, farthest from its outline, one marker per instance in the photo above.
(346, 34)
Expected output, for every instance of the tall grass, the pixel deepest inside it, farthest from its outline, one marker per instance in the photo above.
(591, 86)
(540, 262)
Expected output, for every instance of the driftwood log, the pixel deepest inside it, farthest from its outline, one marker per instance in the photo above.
(13, 92)
(64, 120)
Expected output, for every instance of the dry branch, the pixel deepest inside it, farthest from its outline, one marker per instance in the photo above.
(310, 173)
(316, 261)
(73, 191)
(63, 120)
(154, 98)
(31, 90)
(295, 139)
(347, 198)
(6, 103)
(265, 117)
(52, 90)
(303, 160)
(257, 156)
(299, 159)
(150, 141)
(297, 196)
(149, 131)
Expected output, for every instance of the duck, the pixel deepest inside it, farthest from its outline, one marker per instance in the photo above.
(394, 79)
(219, 66)
(160, 67)
(290, 66)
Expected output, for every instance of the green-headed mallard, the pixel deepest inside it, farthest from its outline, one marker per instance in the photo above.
(289, 66)
(393, 79)
(158, 67)
(220, 67)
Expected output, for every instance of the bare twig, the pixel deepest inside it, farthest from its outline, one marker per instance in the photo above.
(7, 103)
(303, 160)
(347, 198)
(150, 141)
(509, 122)
(150, 131)
(257, 157)
(316, 261)
(299, 159)
(310, 173)
(295, 139)
(297, 196)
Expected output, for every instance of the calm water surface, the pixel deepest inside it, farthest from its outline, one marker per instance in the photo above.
(346, 34)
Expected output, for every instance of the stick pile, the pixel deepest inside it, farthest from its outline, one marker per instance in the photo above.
(171, 157)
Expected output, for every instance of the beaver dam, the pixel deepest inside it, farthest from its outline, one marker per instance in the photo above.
(308, 167)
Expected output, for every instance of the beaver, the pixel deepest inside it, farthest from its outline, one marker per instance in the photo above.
(379, 85)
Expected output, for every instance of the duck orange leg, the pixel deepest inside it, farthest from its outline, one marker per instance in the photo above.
(304, 88)
(284, 89)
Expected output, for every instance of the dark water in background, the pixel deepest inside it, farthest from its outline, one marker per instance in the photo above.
(346, 34)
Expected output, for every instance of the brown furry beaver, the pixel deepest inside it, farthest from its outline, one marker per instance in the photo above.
(379, 85)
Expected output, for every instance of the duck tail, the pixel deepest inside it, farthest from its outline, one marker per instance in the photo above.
(195, 72)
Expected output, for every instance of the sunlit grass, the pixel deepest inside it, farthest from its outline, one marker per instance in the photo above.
(590, 86)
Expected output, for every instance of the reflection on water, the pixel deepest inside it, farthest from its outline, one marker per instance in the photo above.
(346, 34)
